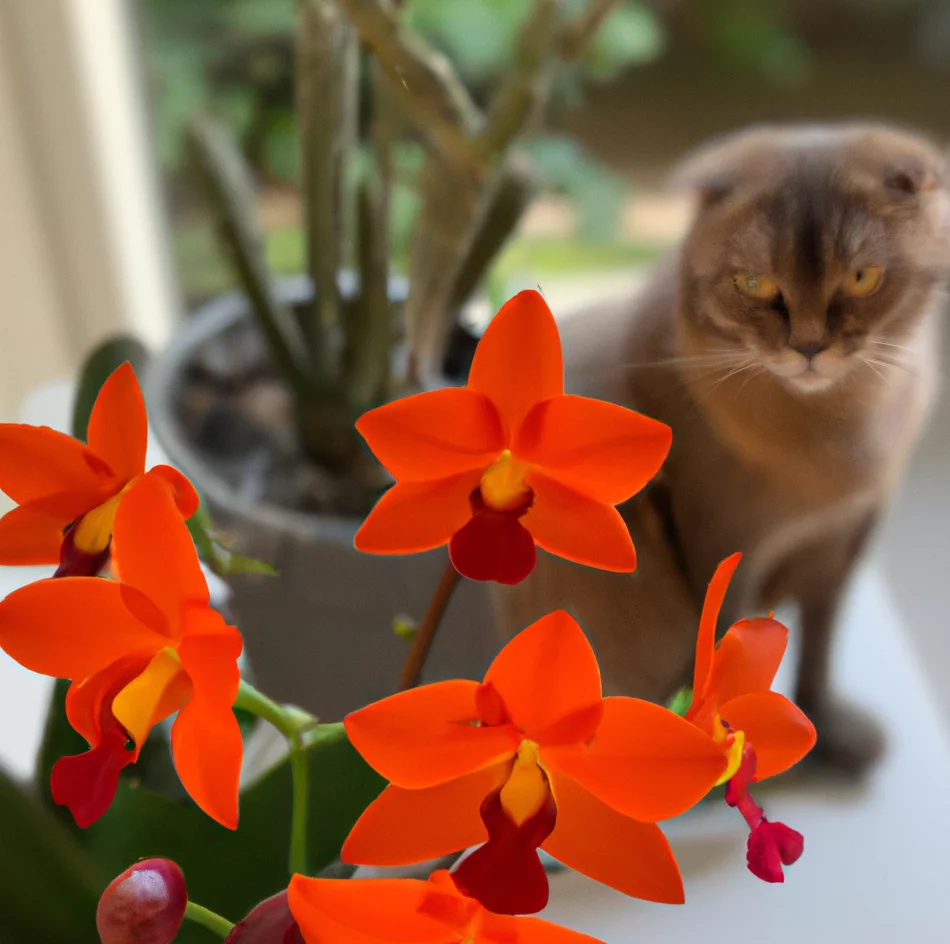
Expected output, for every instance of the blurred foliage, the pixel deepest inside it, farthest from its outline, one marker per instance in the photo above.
(478, 35)
(48, 887)
(759, 37)
(206, 274)
(232, 57)
(235, 59)
(596, 192)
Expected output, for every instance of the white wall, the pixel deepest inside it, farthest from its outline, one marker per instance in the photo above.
(81, 239)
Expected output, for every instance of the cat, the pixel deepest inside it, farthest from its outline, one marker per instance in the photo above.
(791, 342)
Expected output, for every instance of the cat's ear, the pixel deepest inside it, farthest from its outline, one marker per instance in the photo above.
(717, 170)
(909, 166)
(913, 174)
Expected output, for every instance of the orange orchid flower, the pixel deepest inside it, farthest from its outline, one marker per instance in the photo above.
(760, 731)
(509, 461)
(532, 757)
(137, 649)
(68, 492)
(383, 911)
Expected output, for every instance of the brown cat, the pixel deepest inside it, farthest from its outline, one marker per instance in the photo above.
(791, 344)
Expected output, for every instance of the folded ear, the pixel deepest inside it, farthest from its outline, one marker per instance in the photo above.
(913, 174)
(715, 171)
(906, 165)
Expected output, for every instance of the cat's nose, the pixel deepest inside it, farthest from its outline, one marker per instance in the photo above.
(811, 349)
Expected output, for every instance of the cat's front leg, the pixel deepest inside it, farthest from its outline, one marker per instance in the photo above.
(850, 739)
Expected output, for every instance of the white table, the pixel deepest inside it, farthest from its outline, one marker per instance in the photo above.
(874, 869)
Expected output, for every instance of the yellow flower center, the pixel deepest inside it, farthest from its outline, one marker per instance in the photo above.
(94, 530)
(152, 696)
(733, 742)
(503, 486)
(526, 789)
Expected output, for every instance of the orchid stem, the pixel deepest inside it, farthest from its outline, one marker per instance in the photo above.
(422, 644)
(208, 919)
(292, 723)
(300, 771)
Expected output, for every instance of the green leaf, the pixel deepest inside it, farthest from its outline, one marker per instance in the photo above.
(49, 887)
(680, 702)
(219, 558)
(96, 370)
(477, 35)
(230, 872)
(632, 35)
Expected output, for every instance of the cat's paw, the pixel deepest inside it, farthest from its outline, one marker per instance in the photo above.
(850, 739)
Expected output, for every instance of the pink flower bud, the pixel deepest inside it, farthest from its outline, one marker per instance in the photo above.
(269, 923)
(144, 905)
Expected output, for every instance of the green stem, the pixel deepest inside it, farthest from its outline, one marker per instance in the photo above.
(300, 771)
(291, 722)
(208, 919)
(257, 703)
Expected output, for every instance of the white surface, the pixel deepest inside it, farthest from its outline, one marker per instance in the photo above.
(875, 866)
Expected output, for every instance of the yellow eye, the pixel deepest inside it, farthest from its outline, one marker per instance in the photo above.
(862, 282)
(756, 286)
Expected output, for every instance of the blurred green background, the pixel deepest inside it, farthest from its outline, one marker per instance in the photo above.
(660, 77)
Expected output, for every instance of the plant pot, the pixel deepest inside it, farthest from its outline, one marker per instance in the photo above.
(319, 634)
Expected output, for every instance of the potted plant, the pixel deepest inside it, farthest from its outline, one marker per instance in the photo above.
(256, 397)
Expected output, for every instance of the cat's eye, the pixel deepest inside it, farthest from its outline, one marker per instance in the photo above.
(862, 282)
(759, 287)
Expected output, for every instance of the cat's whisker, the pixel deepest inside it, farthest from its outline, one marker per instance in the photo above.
(900, 347)
(696, 360)
(755, 373)
(870, 365)
(732, 373)
(720, 368)
(885, 360)
(896, 353)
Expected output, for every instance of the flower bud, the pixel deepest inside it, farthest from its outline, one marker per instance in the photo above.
(269, 923)
(144, 905)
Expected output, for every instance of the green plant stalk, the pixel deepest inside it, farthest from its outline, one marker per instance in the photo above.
(292, 723)
(524, 93)
(208, 919)
(300, 772)
(326, 101)
(457, 201)
(229, 191)
(424, 81)
(513, 194)
(369, 327)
